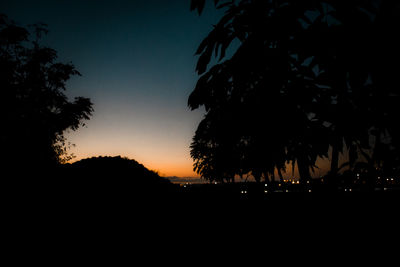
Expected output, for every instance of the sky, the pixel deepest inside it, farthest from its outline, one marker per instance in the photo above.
(138, 68)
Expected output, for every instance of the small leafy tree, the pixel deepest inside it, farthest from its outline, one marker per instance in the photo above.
(35, 111)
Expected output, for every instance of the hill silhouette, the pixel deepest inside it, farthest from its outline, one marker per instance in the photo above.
(115, 168)
(93, 181)
(114, 175)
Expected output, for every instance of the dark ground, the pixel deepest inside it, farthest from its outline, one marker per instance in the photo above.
(112, 215)
(92, 195)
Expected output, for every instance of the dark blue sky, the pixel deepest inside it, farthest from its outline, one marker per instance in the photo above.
(138, 66)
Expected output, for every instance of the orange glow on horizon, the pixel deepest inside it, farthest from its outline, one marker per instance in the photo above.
(184, 168)
(173, 170)
(165, 169)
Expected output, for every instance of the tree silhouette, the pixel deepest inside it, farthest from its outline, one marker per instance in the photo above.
(35, 110)
(315, 74)
(259, 80)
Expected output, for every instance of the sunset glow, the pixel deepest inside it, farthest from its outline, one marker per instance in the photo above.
(138, 68)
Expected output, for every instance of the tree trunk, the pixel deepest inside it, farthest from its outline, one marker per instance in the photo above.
(335, 159)
(280, 175)
(304, 171)
(257, 176)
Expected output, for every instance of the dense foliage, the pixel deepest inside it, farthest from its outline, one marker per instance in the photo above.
(310, 79)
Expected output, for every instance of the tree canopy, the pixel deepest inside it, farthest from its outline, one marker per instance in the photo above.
(308, 79)
(35, 110)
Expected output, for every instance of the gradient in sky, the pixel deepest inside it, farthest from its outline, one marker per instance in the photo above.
(138, 68)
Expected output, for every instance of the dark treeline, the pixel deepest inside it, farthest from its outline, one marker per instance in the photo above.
(309, 79)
